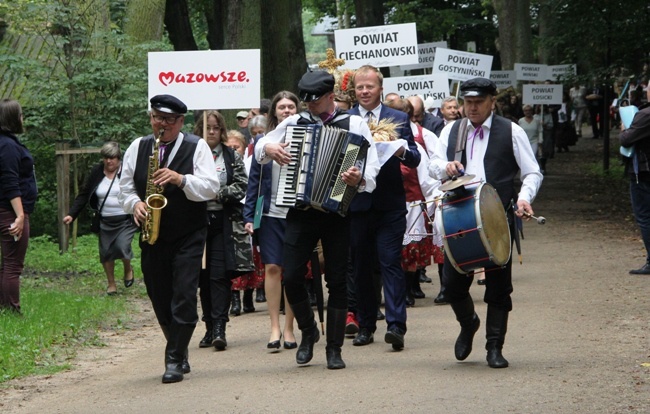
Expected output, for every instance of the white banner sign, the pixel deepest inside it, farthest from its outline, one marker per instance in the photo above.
(435, 86)
(531, 72)
(542, 95)
(426, 54)
(212, 79)
(379, 46)
(504, 78)
(462, 65)
(560, 72)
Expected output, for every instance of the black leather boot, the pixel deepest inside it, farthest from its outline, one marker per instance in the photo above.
(176, 353)
(335, 336)
(441, 299)
(416, 290)
(469, 324)
(260, 295)
(235, 307)
(496, 327)
(310, 335)
(219, 335)
(206, 342)
(248, 301)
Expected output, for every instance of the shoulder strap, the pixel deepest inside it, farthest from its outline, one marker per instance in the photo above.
(461, 139)
(107, 193)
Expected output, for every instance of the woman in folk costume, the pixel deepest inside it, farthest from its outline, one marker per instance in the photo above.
(419, 244)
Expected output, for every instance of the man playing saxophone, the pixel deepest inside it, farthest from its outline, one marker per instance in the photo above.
(184, 175)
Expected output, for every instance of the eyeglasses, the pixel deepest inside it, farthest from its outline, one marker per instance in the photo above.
(166, 119)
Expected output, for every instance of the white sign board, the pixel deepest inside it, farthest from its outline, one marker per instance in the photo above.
(542, 95)
(379, 46)
(560, 72)
(504, 78)
(531, 72)
(208, 79)
(435, 86)
(462, 65)
(426, 54)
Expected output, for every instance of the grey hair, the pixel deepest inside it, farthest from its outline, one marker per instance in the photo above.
(258, 121)
(111, 149)
(448, 99)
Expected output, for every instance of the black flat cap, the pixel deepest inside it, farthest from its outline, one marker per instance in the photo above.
(169, 104)
(315, 84)
(478, 87)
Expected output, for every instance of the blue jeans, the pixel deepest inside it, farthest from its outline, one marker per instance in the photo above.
(640, 196)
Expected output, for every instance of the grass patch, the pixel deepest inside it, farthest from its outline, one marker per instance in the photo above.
(64, 306)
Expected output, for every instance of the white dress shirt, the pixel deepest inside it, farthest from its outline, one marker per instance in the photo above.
(201, 185)
(530, 175)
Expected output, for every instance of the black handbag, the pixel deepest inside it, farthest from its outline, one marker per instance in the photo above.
(97, 215)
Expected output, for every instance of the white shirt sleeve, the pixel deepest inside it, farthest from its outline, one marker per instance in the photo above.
(275, 136)
(438, 162)
(203, 183)
(531, 177)
(128, 196)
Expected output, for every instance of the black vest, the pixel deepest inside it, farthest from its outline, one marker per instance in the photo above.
(181, 216)
(499, 162)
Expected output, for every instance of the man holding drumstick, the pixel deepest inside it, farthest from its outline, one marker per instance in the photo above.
(495, 150)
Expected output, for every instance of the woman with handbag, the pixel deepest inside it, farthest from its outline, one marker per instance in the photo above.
(114, 226)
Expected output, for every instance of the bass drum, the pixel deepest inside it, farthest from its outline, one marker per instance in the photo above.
(475, 228)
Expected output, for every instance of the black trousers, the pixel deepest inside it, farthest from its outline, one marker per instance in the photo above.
(215, 283)
(304, 229)
(171, 274)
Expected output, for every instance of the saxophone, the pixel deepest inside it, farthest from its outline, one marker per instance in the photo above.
(154, 199)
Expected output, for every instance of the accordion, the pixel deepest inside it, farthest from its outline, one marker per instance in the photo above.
(319, 155)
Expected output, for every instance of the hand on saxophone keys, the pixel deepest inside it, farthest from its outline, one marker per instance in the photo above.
(140, 213)
(165, 176)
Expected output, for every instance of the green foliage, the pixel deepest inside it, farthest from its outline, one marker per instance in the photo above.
(63, 305)
(89, 86)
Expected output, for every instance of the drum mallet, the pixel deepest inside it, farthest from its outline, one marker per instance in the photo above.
(540, 219)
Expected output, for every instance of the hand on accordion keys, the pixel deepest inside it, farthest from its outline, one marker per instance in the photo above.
(277, 152)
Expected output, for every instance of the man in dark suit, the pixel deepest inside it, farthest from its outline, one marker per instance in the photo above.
(426, 119)
(378, 220)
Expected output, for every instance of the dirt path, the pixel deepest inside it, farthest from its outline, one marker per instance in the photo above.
(577, 339)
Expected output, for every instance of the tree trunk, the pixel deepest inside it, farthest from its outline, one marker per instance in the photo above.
(544, 22)
(144, 21)
(523, 33)
(214, 11)
(506, 43)
(283, 46)
(369, 12)
(177, 22)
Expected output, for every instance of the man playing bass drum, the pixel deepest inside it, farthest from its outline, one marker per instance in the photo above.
(496, 149)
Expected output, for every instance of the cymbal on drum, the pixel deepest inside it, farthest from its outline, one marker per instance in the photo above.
(455, 182)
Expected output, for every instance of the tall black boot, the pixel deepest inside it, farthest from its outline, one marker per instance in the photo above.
(176, 353)
(307, 324)
(441, 299)
(206, 342)
(410, 300)
(248, 301)
(219, 335)
(469, 324)
(335, 336)
(235, 307)
(496, 327)
(416, 290)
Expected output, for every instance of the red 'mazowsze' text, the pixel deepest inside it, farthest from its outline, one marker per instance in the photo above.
(167, 78)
